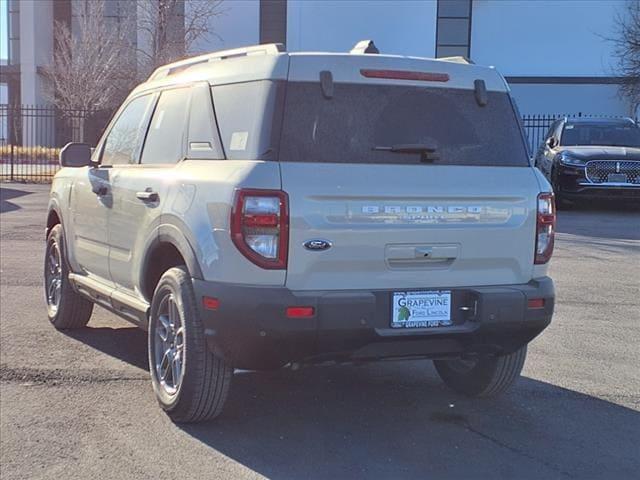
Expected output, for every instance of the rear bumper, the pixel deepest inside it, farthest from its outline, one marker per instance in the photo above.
(250, 328)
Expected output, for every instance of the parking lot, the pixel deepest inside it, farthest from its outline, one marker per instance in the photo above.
(80, 405)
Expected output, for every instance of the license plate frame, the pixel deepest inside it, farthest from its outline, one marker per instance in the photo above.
(421, 309)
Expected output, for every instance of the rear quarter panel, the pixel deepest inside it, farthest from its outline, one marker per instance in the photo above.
(199, 204)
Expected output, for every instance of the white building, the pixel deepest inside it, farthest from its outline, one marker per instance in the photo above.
(552, 52)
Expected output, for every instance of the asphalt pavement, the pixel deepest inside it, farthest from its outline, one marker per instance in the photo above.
(79, 405)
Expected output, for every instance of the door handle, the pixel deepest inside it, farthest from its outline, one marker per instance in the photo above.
(148, 196)
(100, 190)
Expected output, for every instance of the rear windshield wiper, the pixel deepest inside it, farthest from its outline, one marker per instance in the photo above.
(428, 153)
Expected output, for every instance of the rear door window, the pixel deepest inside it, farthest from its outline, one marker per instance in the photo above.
(166, 136)
(349, 127)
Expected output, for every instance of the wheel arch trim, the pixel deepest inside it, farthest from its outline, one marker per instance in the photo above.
(167, 233)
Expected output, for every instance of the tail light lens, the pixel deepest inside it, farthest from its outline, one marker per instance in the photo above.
(545, 227)
(260, 226)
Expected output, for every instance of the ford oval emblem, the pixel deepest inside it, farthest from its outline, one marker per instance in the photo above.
(317, 244)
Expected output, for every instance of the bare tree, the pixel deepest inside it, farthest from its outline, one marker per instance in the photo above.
(626, 44)
(91, 66)
(168, 29)
(96, 63)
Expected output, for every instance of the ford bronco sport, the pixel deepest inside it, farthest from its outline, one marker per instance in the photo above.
(255, 208)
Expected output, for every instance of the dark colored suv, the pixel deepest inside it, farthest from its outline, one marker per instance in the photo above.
(594, 157)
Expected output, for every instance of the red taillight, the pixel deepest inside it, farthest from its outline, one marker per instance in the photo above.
(300, 312)
(545, 227)
(210, 303)
(406, 75)
(260, 226)
(535, 303)
(265, 220)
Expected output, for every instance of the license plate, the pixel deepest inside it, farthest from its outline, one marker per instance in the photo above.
(617, 178)
(421, 309)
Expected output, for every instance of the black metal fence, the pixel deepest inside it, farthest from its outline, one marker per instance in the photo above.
(536, 127)
(31, 137)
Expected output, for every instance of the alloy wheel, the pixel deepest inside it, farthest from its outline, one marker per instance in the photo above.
(169, 345)
(53, 277)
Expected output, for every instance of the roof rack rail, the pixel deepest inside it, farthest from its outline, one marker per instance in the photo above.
(180, 66)
(458, 59)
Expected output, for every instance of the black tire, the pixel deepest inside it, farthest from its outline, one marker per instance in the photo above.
(561, 201)
(66, 308)
(203, 379)
(484, 377)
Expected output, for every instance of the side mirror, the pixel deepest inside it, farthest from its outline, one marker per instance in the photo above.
(551, 142)
(75, 155)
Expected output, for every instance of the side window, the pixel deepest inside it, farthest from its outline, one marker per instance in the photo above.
(125, 137)
(165, 140)
(249, 115)
(203, 139)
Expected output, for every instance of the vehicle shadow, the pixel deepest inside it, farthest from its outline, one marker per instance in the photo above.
(128, 344)
(7, 194)
(396, 420)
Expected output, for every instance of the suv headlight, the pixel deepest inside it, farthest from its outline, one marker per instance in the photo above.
(567, 159)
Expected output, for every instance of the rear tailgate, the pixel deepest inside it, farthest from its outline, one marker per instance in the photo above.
(396, 227)
(461, 214)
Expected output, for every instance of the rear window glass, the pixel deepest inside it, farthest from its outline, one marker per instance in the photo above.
(360, 118)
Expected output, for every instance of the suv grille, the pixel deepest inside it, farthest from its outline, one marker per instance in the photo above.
(606, 171)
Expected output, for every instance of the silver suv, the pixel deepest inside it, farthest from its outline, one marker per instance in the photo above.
(255, 209)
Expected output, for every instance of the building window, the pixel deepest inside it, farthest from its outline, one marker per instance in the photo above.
(453, 30)
(273, 21)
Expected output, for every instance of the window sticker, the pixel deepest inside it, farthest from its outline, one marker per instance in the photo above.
(239, 140)
(569, 127)
(156, 126)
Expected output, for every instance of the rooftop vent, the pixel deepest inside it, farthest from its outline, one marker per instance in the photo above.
(365, 46)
